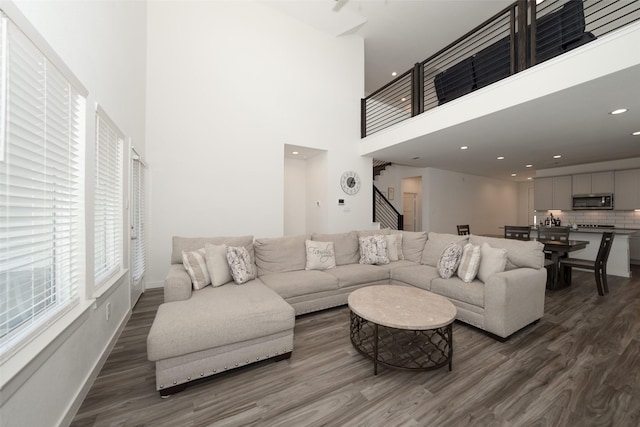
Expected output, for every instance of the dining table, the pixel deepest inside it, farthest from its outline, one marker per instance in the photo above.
(559, 249)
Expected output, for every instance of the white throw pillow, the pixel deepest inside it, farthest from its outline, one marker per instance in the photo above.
(469, 263)
(320, 255)
(242, 270)
(195, 264)
(449, 260)
(373, 249)
(492, 260)
(217, 264)
(394, 247)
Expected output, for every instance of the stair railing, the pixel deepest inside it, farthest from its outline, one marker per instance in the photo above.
(384, 212)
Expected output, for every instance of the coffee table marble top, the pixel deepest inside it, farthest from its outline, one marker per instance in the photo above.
(402, 307)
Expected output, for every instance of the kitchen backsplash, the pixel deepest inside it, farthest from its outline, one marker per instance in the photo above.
(622, 219)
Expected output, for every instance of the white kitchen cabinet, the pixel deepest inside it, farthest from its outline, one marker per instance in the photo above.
(552, 193)
(593, 183)
(627, 190)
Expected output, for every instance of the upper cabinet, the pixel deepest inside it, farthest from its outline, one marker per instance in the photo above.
(593, 183)
(627, 190)
(552, 193)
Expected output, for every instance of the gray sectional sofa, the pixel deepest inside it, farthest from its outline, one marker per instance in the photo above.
(199, 333)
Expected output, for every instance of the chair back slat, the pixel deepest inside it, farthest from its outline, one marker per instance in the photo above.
(463, 230)
(517, 232)
(605, 248)
(553, 233)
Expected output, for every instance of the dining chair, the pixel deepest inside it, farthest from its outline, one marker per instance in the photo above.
(553, 233)
(463, 230)
(517, 232)
(599, 266)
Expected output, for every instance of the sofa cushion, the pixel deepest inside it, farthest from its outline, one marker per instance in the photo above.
(196, 265)
(449, 260)
(180, 244)
(240, 265)
(413, 244)
(280, 254)
(320, 255)
(492, 261)
(520, 253)
(217, 264)
(358, 274)
(469, 263)
(301, 282)
(436, 243)
(419, 276)
(344, 244)
(454, 288)
(215, 317)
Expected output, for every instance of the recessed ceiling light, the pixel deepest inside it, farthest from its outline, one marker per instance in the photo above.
(295, 152)
(500, 157)
(464, 147)
(514, 174)
(394, 74)
(619, 111)
(530, 178)
(528, 166)
(404, 99)
(557, 156)
(636, 133)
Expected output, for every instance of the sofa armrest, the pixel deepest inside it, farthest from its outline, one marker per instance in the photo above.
(177, 284)
(513, 299)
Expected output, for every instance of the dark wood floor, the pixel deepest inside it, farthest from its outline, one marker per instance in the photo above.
(579, 366)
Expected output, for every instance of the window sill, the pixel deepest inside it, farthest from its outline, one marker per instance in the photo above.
(103, 292)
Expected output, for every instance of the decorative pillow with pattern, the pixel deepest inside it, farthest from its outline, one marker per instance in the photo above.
(320, 255)
(373, 249)
(196, 265)
(449, 260)
(242, 270)
(469, 263)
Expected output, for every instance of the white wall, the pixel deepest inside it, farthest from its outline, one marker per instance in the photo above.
(229, 84)
(104, 45)
(295, 197)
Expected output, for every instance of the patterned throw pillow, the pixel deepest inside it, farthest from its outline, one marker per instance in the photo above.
(469, 263)
(373, 249)
(320, 255)
(195, 264)
(449, 260)
(242, 270)
(492, 260)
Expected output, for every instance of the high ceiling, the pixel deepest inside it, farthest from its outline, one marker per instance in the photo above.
(399, 33)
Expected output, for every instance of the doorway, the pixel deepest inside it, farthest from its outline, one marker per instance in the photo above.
(409, 211)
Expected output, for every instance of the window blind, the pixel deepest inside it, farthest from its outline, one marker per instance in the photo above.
(138, 172)
(107, 199)
(40, 181)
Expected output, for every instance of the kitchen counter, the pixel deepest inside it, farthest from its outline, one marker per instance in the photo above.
(622, 231)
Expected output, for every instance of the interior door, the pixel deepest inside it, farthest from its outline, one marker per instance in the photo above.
(137, 225)
(409, 207)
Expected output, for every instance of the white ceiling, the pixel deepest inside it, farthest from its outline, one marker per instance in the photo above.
(399, 33)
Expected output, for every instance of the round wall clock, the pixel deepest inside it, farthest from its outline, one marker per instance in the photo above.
(350, 182)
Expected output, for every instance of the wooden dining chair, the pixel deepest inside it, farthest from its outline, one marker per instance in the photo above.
(599, 266)
(553, 233)
(517, 232)
(463, 230)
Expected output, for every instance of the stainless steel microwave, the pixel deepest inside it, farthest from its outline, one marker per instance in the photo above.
(592, 201)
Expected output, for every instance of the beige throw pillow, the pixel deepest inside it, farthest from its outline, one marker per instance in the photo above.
(469, 263)
(217, 264)
(320, 255)
(492, 261)
(195, 264)
(394, 247)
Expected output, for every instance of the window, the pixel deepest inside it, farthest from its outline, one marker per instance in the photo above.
(138, 172)
(41, 174)
(108, 199)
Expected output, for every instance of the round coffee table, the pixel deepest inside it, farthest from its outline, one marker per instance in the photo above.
(402, 327)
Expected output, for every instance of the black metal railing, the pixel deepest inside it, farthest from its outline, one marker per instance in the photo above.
(379, 166)
(493, 51)
(384, 212)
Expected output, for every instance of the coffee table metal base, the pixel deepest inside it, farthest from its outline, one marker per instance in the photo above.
(420, 350)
